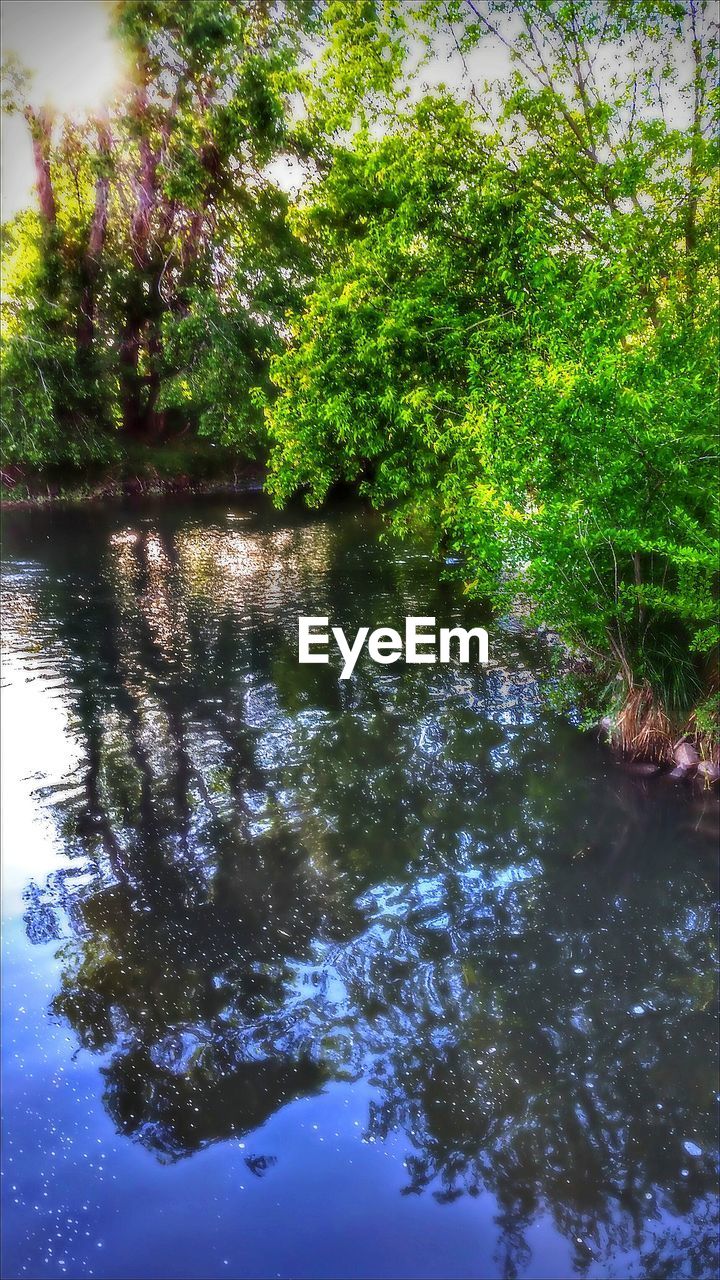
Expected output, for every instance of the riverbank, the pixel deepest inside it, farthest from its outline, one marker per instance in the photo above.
(197, 467)
(685, 763)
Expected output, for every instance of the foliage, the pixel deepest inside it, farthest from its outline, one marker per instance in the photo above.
(156, 276)
(373, 368)
(217, 349)
(49, 411)
(514, 337)
(149, 218)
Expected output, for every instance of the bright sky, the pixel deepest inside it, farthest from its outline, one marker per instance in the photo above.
(66, 44)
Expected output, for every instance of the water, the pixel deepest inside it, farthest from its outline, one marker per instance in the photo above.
(399, 976)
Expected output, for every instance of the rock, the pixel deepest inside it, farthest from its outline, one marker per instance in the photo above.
(680, 771)
(708, 770)
(607, 731)
(685, 756)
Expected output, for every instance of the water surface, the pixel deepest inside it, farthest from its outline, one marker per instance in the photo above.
(396, 976)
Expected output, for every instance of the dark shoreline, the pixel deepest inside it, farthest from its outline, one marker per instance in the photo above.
(48, 489)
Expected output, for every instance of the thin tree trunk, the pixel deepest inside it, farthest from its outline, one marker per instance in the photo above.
(134, 405)
(695, 144)
(40, 123)
(154, 421)
(95, 246)
(130, 397)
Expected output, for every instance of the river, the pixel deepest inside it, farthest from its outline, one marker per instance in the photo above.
(397, 976)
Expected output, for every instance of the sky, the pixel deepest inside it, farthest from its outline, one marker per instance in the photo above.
(66, 43)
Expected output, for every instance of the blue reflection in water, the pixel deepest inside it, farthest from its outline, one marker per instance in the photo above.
(397, 976)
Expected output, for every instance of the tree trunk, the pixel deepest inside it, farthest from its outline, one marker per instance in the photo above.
(40, 123)
(94, 250)
(134, 405)
(154, 421)
(696, 139)
(130, 395)
(139, 393)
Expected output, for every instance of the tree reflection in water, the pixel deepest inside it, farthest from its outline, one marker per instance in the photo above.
(414, 877)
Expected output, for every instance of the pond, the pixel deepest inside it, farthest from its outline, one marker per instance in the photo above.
(393, 976)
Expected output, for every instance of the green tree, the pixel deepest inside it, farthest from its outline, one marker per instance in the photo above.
(149, 288)
(514, 338)
(155, 222)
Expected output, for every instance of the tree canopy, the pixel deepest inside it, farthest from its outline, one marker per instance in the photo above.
(514, 334)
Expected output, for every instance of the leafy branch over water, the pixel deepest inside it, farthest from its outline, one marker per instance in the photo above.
(491, 307)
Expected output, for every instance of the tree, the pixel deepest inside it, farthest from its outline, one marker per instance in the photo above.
(150, 288)
(514, 338)
(147, 220)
